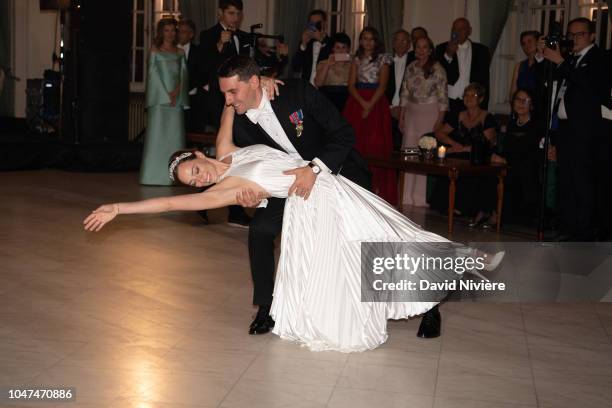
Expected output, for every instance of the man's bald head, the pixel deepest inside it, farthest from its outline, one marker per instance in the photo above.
(462, 29)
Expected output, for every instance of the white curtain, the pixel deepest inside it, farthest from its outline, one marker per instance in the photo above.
(507, 54)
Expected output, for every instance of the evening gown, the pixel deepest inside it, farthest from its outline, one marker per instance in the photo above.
(165, 132)
(373, 134)
(317, 293)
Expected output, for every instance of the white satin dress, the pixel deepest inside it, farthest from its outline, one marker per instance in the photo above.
(317, 296)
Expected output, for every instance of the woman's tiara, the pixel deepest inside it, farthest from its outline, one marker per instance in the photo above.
(177, 160)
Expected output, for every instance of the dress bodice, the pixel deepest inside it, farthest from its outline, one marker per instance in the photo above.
(368, 71)
(166, 71)
(264, 165)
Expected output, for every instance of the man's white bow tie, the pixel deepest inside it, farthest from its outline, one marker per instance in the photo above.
(255, 114)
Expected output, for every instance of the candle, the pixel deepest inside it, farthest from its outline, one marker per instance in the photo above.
(441, 152)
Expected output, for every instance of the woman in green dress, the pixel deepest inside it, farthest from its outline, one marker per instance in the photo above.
(166, 97)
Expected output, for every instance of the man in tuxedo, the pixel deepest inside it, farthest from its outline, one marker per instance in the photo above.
(401, 45)
(315, 46)
(321, 136)
(196, 71)
(604, 186)
(218, 43)
(465, 62)
(580, 95)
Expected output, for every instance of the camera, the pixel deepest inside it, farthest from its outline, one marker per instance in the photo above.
(555, 38)
(315, 26)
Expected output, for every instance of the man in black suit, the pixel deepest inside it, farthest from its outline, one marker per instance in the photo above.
(465, 62)
(219, 43)
(325, 139)
(578, 103)
(604, 185)
(315, 46)
(196, 70)
(401, 45)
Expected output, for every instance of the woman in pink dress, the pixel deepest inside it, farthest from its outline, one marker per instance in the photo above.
(424, 100)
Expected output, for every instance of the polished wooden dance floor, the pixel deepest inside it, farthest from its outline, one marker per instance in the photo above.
(153, 312)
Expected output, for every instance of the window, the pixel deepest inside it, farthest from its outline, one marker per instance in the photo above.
(145, 15)
(597, 11)
(347, 16)
(547, 11)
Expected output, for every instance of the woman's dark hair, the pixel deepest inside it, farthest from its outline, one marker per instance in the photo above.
(379, 46)
(174, 172)
(159, 31)
(515, 94)
(241, 65)
(225, 4)
(431, 60)
(533, 33)
(341, 38)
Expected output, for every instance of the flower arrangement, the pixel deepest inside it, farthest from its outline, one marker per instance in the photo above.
(428, 142)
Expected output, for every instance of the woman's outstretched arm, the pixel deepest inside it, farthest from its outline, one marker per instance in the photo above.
(221, 195)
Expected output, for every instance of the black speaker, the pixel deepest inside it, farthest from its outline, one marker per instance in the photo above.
(96, 91)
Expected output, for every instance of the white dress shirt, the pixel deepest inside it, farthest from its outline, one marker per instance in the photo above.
(399, 64)
(266, 118)
(561, 112)
(316, 51)
(464, 58)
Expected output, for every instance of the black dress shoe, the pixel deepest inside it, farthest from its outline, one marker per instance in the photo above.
(430, 325)
(263, 322)
(261, 326)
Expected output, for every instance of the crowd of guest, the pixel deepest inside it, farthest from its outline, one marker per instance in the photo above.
(394, 98)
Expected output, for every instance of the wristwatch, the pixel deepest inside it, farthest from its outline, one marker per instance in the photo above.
(315, 169)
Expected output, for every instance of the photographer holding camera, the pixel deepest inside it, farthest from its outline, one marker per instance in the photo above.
(577, 110)
(315, 46)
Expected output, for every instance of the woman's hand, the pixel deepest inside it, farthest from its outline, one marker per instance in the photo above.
(270, 86)
(99, 217)
(249, 199)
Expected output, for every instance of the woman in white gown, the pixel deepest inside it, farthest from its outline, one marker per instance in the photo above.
(317, 295)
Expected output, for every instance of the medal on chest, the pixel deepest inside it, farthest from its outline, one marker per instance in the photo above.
(297, 119)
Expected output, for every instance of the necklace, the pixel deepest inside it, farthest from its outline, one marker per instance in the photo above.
(519, 123)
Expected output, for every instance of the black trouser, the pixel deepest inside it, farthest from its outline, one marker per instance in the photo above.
(576, 180)
(263, 230)
(267, 223)
(194, 118)
(604, 182)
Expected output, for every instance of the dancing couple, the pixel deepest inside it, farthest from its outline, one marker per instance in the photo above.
(293, 158)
